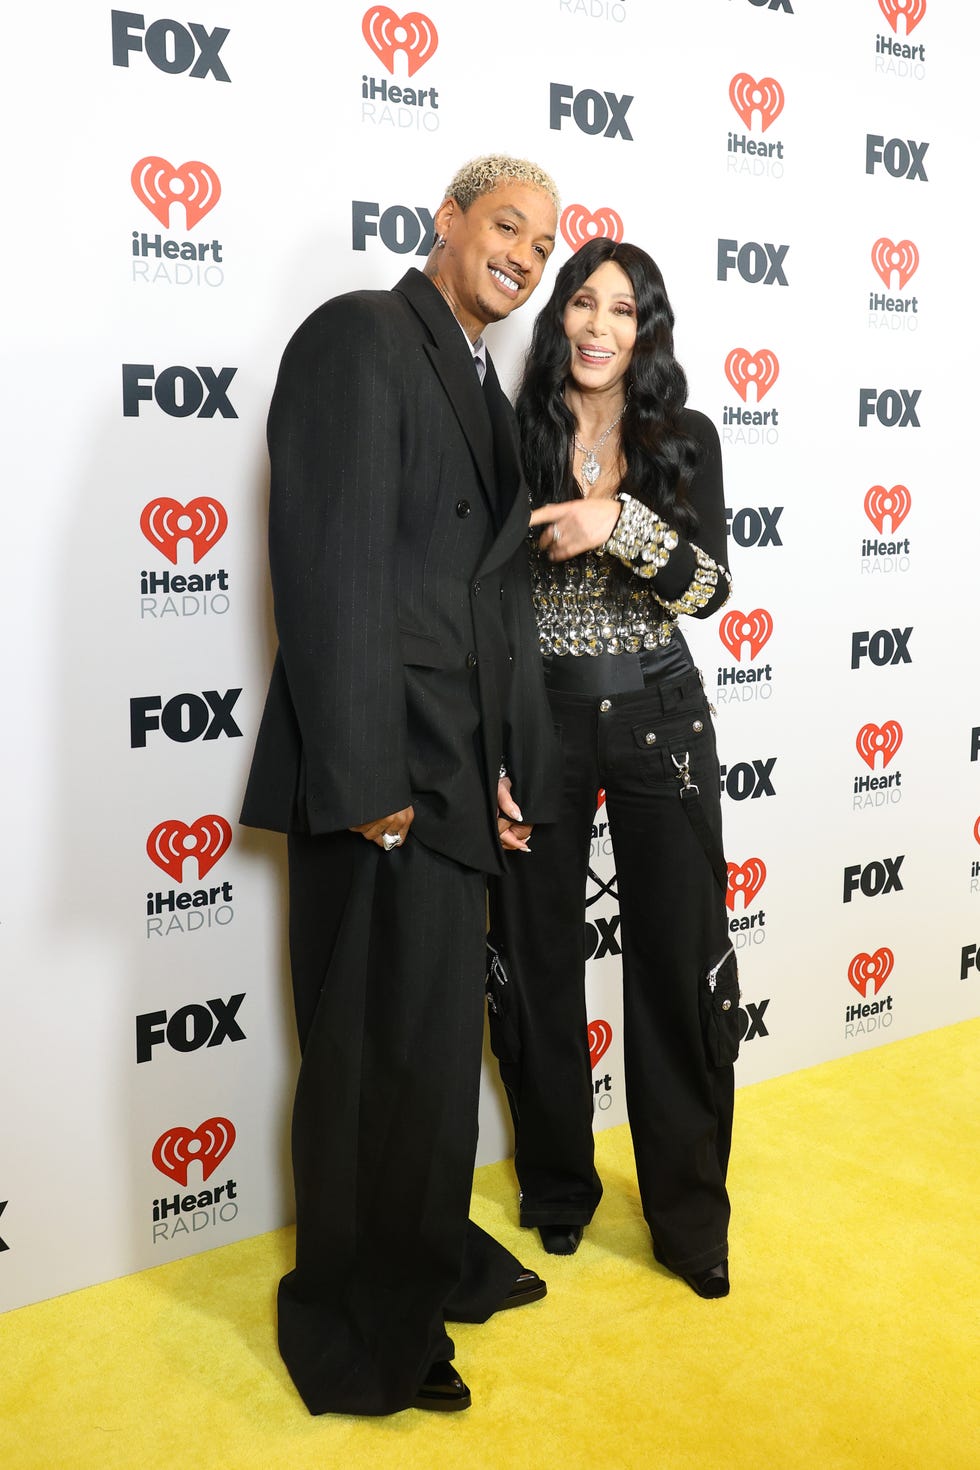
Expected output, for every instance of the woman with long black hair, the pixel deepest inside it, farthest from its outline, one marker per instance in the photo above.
(627, 488)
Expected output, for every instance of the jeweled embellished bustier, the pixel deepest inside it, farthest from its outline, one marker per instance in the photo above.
(586, 605)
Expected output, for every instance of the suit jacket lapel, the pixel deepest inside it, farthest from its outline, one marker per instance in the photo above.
(505, 451)
(516, 513)
(453, 364)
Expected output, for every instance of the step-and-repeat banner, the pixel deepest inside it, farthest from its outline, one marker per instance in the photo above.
(182, 191)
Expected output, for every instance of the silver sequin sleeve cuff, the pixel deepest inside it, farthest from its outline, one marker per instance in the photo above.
(644, 542)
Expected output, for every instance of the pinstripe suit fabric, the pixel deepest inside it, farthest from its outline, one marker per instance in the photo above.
(407, 670)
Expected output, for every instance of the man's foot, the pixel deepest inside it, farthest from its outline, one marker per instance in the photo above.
(442, 1389)
(527, 1288)
(561, 1240)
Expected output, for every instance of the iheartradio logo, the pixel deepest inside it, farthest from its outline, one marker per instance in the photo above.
(766, 97)
(976, 829)
(172, 842)
(913, 10)
(746, 879)
(158, 185)
(202, 522)
(386, 33)
(875, 740)
(600, 800)
(889, 258)
(743, 368)
(894, 503)
(579, 226)
(600, 1035)
(870, 969)
(738, 628)
(175, 1150)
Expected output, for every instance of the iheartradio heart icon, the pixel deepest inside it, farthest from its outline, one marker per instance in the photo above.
(579, 226)
(976, 829)
(386, 33)
(737, 628)
(202, 522)
(887, 257)
(765, 96)
(175, 1150)
(873, 969)
(600, 1035)
(874, 740)
(894, 503)
(746, 879)
(171, 842)
(600, 799)
(743, 368)
(913, 10)
(158, 185)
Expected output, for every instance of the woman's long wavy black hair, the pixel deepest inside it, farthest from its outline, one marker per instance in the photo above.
(660, 458)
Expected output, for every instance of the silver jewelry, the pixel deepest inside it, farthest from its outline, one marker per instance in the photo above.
(644, 543)
(555, 534)
(591, 469)
(390, 840)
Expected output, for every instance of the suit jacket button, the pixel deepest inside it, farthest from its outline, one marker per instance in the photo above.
(462, 509)
(471, 660)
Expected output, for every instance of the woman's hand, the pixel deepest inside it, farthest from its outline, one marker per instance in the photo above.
(512, 829)
(574, 526)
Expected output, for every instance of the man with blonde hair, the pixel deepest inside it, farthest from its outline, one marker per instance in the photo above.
(405, 720)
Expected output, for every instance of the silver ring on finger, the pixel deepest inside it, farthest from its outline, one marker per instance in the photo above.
(555, 535)
(390, 840)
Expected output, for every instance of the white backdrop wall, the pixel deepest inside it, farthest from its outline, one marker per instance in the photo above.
(181, 193)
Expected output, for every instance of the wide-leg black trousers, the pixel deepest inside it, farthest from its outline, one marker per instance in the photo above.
(388, 963)
(673, 928)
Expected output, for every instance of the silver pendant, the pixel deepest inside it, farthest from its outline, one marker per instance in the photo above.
(590, 467)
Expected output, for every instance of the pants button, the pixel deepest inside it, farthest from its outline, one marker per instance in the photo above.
(605, 706)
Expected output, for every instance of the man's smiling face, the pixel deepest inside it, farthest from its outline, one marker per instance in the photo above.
(495, 251)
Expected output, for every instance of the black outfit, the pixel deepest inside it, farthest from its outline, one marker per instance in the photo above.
(631, 713)
(407, 671)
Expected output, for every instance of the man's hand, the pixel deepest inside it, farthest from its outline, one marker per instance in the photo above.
(396, 825)
(574, 526)
(512, 829)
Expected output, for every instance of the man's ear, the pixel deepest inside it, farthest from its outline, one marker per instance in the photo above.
(444, 216)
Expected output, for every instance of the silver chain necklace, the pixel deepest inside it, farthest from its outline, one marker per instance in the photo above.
(591, 469)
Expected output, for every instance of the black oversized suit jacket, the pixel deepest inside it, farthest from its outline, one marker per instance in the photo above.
(408, 666)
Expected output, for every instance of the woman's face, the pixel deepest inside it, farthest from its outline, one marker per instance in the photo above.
(600, 324)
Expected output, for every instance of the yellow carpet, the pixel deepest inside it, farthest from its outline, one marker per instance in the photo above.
(850, 1338)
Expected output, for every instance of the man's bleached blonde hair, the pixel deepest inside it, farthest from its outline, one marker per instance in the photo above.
(481, 175)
